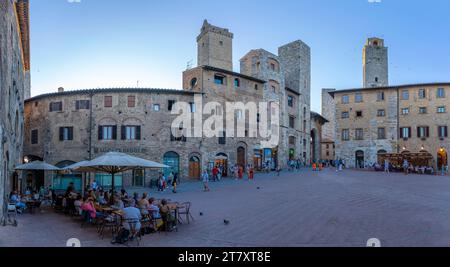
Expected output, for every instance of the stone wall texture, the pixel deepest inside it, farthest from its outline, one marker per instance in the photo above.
(14, 85)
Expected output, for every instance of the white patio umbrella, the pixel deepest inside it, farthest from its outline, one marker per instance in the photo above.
(75, 165)
(37, 166)
(114, 162)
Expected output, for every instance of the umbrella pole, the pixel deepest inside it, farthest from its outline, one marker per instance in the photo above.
(112, 188)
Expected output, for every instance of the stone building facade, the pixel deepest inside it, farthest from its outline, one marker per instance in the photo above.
(407, 118)
(67, 127)
(14, 87)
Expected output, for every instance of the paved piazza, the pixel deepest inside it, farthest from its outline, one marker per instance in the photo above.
(295, 209)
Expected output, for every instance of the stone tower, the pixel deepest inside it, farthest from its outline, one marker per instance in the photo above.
(375, 63)
(295, 59)
(215, 47)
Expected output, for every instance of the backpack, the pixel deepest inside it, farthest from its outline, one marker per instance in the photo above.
(122, 236)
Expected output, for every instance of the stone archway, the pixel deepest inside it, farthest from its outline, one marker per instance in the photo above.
(442, 159)
(359, 159)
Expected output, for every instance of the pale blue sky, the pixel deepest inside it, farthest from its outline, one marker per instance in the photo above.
(115, 43)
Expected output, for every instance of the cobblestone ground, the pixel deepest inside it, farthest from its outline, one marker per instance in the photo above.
(295, 209)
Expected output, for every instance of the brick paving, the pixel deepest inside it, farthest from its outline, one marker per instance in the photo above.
(295, 209)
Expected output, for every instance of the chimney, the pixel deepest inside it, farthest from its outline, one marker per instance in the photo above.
(60, 89)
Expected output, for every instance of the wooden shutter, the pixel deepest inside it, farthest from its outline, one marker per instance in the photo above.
(427, 131)
(418, 132)
(446, 131)
(138, 132)
(123, 132)
(409, 132)
(114, 132)
(71, 133)
(77, 105)
(61, 134)
(100, 132)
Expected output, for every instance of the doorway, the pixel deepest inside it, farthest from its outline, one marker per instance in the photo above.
(194, 168)
(442, 159)
(359, 159)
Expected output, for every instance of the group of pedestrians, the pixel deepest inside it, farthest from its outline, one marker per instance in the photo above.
(217, 172)
(165, 182)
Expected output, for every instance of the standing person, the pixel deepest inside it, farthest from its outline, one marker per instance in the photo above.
(94, 186)
(251, 173)
(205, 179)
(236, 172)
(175, 182)
(386, 166)
(215, 172)
(219, 175)
(160, 183)
(405, 166)
(278, 170)
(170, 179)
(340, 165)
(241, 172)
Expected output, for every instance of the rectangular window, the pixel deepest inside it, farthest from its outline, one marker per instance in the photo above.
(380, 96)
(381, 133)
(345, 99)
(192, 107)
(131, 132)
(405, 111)
(443, 131)
(359, 114)
(131, 101)
(345, 115)
(423, 110)
(345, 135)
(405, 95)
(358, 98)
(440, 93)
(219, 79)
(405, 132)
(156, 107)
(292, 140)
(65, 133)
(441, 109)
(381, 113)
(272, 66)
(422, 94)
(82, 104)
(291, 122)
(55, 106)
(108, 101)
(423, 132)
(359, 134)
(34, 137)
(107, 132)
(170, 104)
(223, 138)
(290, 101)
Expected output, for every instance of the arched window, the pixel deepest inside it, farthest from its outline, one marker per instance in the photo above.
(193, 83)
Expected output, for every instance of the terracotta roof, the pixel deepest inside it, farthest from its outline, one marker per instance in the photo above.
(113, 90)
(205, 67)
(332, 93)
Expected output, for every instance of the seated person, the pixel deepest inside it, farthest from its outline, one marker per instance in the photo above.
(132, 215)
(123, 194)
(15, 199)
(78, 204)
(101, 198)
(143, 204)
(88, 206)
(118, 203)
(36, 196)
(154, 209)
(166, 215)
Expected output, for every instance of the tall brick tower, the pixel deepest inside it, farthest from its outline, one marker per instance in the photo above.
(215, 47)
(375, 63)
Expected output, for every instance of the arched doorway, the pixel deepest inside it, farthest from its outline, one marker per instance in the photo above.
(34, 179)
(381, 156)
(359, 159)
(221, 160)
(442, 159)
(241, 157)
(171, 159)
(194, 167)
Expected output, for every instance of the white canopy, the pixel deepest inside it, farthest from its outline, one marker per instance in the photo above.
(75, 165)
(114, 162)
(37, 166)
